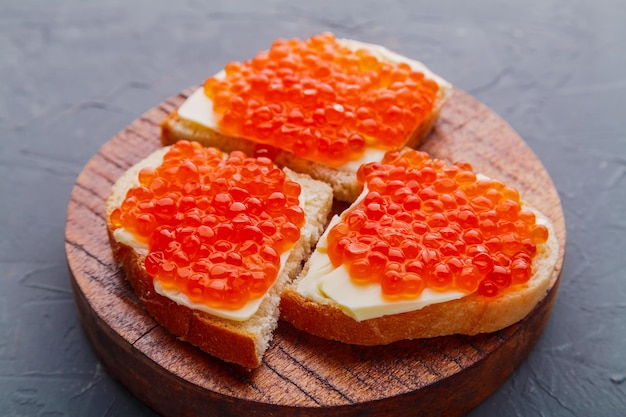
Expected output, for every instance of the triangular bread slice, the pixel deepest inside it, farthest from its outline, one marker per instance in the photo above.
(239, 342)
(307, 306)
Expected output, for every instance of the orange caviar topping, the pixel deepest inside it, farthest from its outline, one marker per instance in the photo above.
(321, 100)
(426, 224)
(215, 227)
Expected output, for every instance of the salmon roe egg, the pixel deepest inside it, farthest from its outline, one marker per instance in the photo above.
(320, 99)
(215, 226)
(426, 224)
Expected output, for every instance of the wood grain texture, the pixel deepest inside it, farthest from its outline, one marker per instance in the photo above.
(301, 374)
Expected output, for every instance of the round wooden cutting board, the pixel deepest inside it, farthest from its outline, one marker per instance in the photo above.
(301, 374)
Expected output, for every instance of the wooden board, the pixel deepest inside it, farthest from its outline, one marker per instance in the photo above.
(301, 374)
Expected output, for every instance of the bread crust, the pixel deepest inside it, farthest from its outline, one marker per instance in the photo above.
(469, 315)
(242, 343)
(343, 182)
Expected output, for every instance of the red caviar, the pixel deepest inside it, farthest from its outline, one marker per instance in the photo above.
(426, 224)
(321, 100)
(215, 226)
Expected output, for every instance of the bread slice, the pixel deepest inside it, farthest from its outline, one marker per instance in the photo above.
(343, 178)
(239, 342)
(471, 314)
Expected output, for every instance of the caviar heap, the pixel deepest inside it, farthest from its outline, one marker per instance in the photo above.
(215, 227)
(427, 224)
(321, 100)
